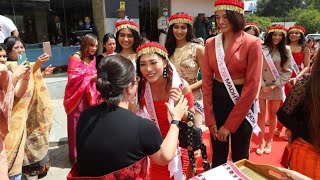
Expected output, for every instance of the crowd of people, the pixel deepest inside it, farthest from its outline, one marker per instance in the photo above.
(136, 93)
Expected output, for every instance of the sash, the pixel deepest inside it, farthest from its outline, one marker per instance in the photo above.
(295, 66)
(175, 165)
(228, 83)
(270, 63)
(274, 71)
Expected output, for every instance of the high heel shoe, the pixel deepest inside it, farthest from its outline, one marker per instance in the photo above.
(268, 147)
(260, 150)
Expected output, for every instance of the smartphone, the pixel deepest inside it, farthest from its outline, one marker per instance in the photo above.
(47, 48)
(21, 58)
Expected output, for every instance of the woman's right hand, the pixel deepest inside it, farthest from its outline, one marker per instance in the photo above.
(213, 131)
(179, 109)
(23, 70)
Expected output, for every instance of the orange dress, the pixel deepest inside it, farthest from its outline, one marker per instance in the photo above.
(161, 172)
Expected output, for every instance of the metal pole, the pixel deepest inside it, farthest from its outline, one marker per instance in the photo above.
(14, 13)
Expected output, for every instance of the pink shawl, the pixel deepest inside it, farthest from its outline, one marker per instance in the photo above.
(80, 84)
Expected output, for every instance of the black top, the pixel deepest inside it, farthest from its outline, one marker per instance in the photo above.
(98, 60)
(110, 138)
(295, 112)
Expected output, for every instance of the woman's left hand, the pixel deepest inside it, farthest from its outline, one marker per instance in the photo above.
(222, 134)
(43, 58)
(48, 70)
(175, 94)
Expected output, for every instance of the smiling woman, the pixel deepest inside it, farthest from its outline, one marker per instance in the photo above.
(226, 114)
(127, 39)
(277, 69)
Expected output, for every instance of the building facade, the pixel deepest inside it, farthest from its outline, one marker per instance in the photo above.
(62, 21)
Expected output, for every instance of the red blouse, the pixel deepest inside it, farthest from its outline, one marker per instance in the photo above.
(161, 172)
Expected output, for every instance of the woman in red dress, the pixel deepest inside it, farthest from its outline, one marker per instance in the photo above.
(161, 84)
(301, 55)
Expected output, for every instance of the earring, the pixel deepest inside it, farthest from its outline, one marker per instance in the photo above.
(165, 73)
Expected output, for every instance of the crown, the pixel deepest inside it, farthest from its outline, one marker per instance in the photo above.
(297, 28)
(180, 18)
(127, 24)
(277, 28)
(152, 48)
(254, 24)
(231, 5)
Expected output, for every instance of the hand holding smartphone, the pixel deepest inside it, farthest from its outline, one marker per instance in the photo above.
(47, 48)
(21, 58)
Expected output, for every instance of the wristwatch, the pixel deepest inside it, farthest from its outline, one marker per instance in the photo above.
(176, 122)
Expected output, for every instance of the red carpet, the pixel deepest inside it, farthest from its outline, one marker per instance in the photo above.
(273, 158)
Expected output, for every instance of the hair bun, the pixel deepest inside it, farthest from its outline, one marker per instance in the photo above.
(103, 84)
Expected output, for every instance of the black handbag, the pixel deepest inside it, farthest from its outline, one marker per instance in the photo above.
(190, 138)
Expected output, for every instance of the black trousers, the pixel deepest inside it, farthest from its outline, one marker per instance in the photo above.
(240, 140)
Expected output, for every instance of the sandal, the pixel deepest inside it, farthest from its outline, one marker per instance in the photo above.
(260, 150)
(268, 147)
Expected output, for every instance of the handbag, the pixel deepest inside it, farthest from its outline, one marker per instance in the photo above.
(190, 138)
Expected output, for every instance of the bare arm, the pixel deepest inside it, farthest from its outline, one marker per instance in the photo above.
(199, 55)
(22, 85)
(40, 61)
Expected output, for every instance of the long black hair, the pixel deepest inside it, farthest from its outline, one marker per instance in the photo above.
(281, 47)
(106, 38)
(171, 40)
(137, 41)
(9, 42)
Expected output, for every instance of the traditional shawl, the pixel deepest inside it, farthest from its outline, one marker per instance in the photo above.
(80, 84)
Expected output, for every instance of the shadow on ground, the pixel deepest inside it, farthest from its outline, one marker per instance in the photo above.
(59, 156)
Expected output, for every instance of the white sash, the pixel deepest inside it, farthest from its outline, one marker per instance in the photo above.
(295, 66)
(228, 83)
(274, 71)
(267, 56)
(175, 165)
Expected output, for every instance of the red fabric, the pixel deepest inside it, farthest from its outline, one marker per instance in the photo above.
(275, 157)
(161, 172)
(80, 84)
(298, 57)
(244, 61)
(136, 171)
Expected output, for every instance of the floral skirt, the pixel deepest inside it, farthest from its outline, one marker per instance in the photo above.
(38, 168)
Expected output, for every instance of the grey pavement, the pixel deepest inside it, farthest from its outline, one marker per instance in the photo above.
(60, 165)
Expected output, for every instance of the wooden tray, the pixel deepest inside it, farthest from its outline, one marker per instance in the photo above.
(260, 171)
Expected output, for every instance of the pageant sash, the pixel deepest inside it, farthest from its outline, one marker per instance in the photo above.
(175, 165)
(274, 71)
(270, 63)
(295, 66)
(228, 83)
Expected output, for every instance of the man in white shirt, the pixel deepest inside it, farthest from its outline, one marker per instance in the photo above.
(122, 15)
(7, 28)
(163, 26)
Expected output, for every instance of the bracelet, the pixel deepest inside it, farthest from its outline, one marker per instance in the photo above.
(176, 122)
